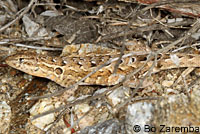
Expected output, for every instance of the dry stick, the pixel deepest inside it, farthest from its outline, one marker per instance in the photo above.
(38, 48)
(78, 120)
(184, 47)
(18, 17)
(167, 27)
(16, 40)
(120, 56)
(181, 24)
(57, 119)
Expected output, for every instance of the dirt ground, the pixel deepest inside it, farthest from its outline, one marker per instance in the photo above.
(166, 101)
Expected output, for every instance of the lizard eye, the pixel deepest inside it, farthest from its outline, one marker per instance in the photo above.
(21, 60)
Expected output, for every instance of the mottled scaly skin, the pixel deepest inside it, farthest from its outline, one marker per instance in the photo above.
(69, 69)
(63, 70)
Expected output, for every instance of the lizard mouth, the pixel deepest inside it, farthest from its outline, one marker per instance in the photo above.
(12, 61)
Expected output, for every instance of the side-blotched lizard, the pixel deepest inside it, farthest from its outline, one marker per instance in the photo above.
(66, 70)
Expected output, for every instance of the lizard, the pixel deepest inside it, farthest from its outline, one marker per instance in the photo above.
(67, 69)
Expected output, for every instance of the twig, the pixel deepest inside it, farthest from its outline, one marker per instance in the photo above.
(39, 48)
(184, 47)
(6, 41)
(18, 17)
(57, 119)
(121, 54)
(119, 59)
(78, 120)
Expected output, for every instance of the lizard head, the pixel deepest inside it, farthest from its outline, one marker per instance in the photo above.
(53, 68)
(26, 62)
(32, 63)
